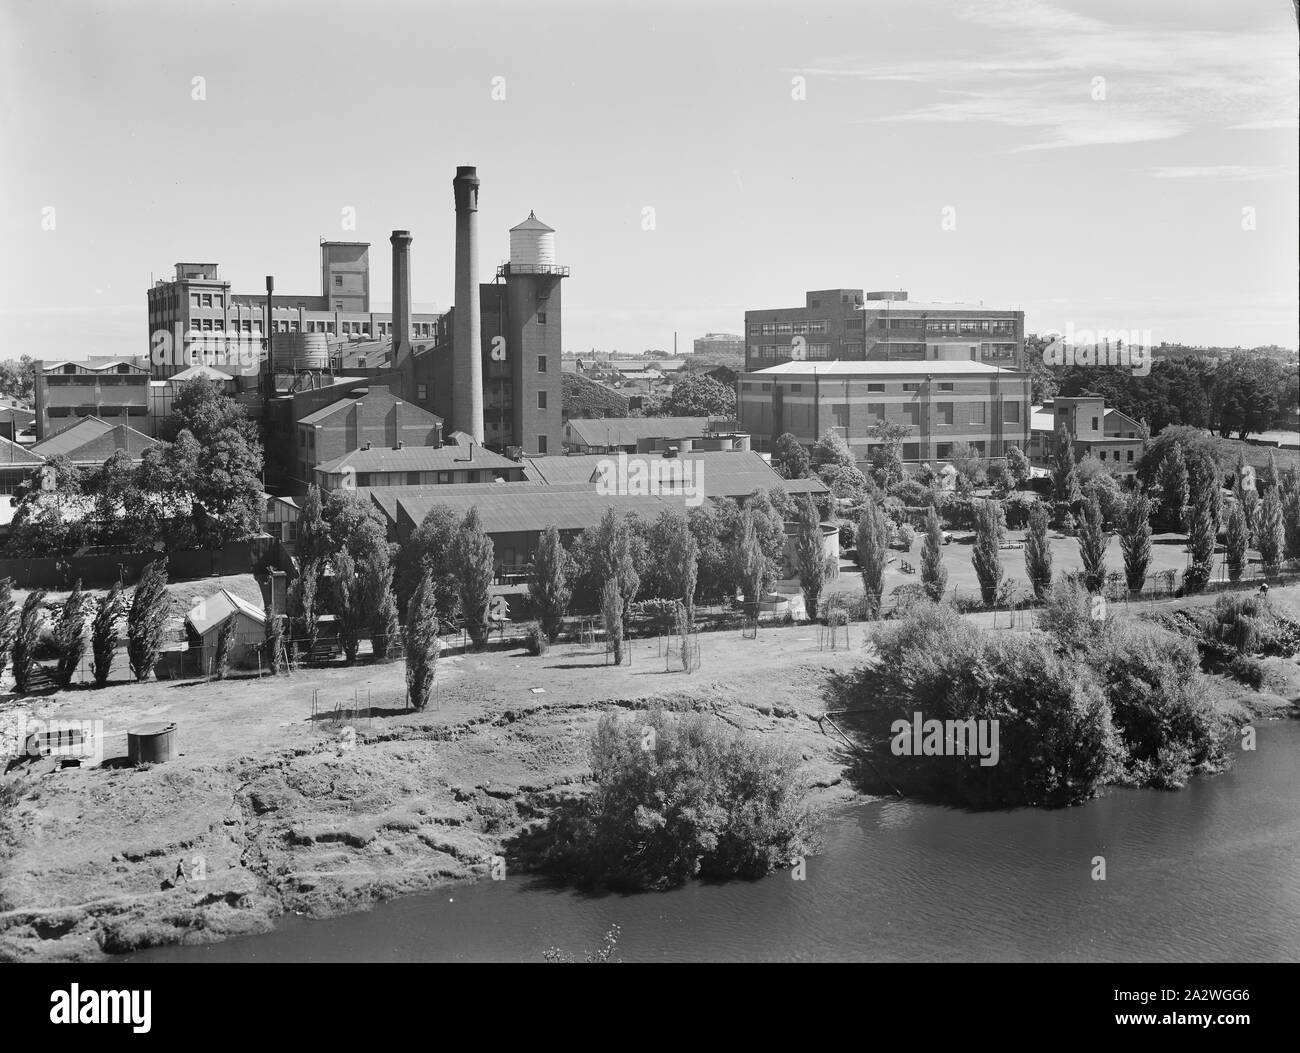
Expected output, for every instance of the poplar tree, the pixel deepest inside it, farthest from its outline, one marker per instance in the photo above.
(873, 540)
(1038, 552)
(472, 556)
(146, 620)
(1272, 532)
(103, 633)
(934, 575)
(27, 636)
(1236, 539)
(549, 585)
(1092, 547)
(810, 553)
(986, 558)
(421, 642)
(1135, 541)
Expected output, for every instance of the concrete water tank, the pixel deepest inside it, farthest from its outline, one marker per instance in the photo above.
(151, 743)
(532, 244)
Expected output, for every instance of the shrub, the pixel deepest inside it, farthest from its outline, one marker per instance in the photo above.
(145, 620)
(1160, 705)
(1056, 745)
(539, 640)
(678, 798)
(225, 640)
(905, 535)
(1072, 615)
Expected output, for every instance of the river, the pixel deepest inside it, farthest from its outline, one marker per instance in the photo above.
(1210, 873)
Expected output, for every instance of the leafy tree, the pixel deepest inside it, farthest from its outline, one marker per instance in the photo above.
(1174, 494)
(113, 486)
(990, 529)
(810, 554)
(1244, 394)
(375, 569)
(472, 556)
(1291, 520)
(146, 619)
(678, 568)
(1065, 477)
(225, 643)
(751, 562)
(887, 440)
(313, 532)
(27, 637)
(1236, 539)
(1092, 547)
(18, 378)
(872, 540)
(611, 608)
(1201, 535)
(549, 585)
(428, 548)
(103, 633)
(1272, 531)
(1038, 552)
(831, 449)
(1135, 541)
(616, 557)
(969, 464)
(1017, 464)
(304, 612)
(421, 642)
(1243, 488)
(8, 621)
(273, 639)
(934, 575)
(710, 523)
(349, 605)
(699, 395)
(789, 457)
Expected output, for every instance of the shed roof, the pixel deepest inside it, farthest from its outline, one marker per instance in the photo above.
(210, 611)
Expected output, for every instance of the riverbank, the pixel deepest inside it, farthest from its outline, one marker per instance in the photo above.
(269, 811)
(274, 808)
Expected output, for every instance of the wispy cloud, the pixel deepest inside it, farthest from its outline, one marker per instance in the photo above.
(1222, 173)
(1033, 66)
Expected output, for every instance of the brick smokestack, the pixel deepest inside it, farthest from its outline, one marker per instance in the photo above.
(401, 240)
(467, 337)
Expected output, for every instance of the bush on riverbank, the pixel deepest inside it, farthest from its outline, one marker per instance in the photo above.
(681, 797)
(1055, 746)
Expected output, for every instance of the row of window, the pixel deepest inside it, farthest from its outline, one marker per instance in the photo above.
(951, 325)
(786, 328)
(785, 350)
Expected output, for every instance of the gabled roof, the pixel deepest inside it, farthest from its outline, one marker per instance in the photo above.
(720, 473)
(533, 510)
(199, 371)
(210, 611)
(88, 430)
(11, 453)
(627, 431)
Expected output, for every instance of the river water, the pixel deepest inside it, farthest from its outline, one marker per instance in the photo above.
(1210, 873)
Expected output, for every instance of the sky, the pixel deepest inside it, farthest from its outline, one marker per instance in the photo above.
(1105, 164)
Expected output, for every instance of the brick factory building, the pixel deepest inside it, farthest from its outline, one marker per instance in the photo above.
(941, 402)
(848, 325)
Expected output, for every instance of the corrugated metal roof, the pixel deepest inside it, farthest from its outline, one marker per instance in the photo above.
(418, 459)
(563, 508)
(210, 611)
(12, 453)
(85, 431)
(722, 473)
(626, 431)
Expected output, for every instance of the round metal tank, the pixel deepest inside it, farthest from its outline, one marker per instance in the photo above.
(151, 743)
(294, 351)
(532, 244)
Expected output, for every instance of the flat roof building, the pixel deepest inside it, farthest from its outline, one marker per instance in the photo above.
(941, 403)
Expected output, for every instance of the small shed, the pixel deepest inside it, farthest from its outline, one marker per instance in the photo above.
(203, 628)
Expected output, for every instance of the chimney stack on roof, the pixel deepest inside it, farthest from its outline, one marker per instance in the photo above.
(467, 337)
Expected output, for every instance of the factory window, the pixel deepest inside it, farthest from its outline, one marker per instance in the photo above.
(978, 413)
(764, 387)
(219, 300)
(911, 386)
(746, 387)
(412, 478)
(541, 363)
(541, 400)
(194, 300)
(912, 413)
(207, 300)
(444, 477)
(541, 444)
(338, 305)
(840, 415)
(875, 387)
(1011, 412)
(943, 413)
(421, 391)
(1129, 457)
(755, 329)
(943, 449)
(363, 478)
(911, 451)
(946, 386)
(541, 317)
(875, 410)
(853, 323)
(795, 388)
(338, 281)
(1094, 423)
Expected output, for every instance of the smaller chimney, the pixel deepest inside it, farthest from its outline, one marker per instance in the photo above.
(366, 445)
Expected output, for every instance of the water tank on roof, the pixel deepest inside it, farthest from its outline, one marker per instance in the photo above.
(532, 244)
(295, 351)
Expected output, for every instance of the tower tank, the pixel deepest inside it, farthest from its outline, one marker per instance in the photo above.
(295, 351)
(532, 244)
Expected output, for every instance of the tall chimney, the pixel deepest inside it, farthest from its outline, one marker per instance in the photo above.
(467, 339)
(401, 240)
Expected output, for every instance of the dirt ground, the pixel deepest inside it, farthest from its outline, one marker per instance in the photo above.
(269, 809)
